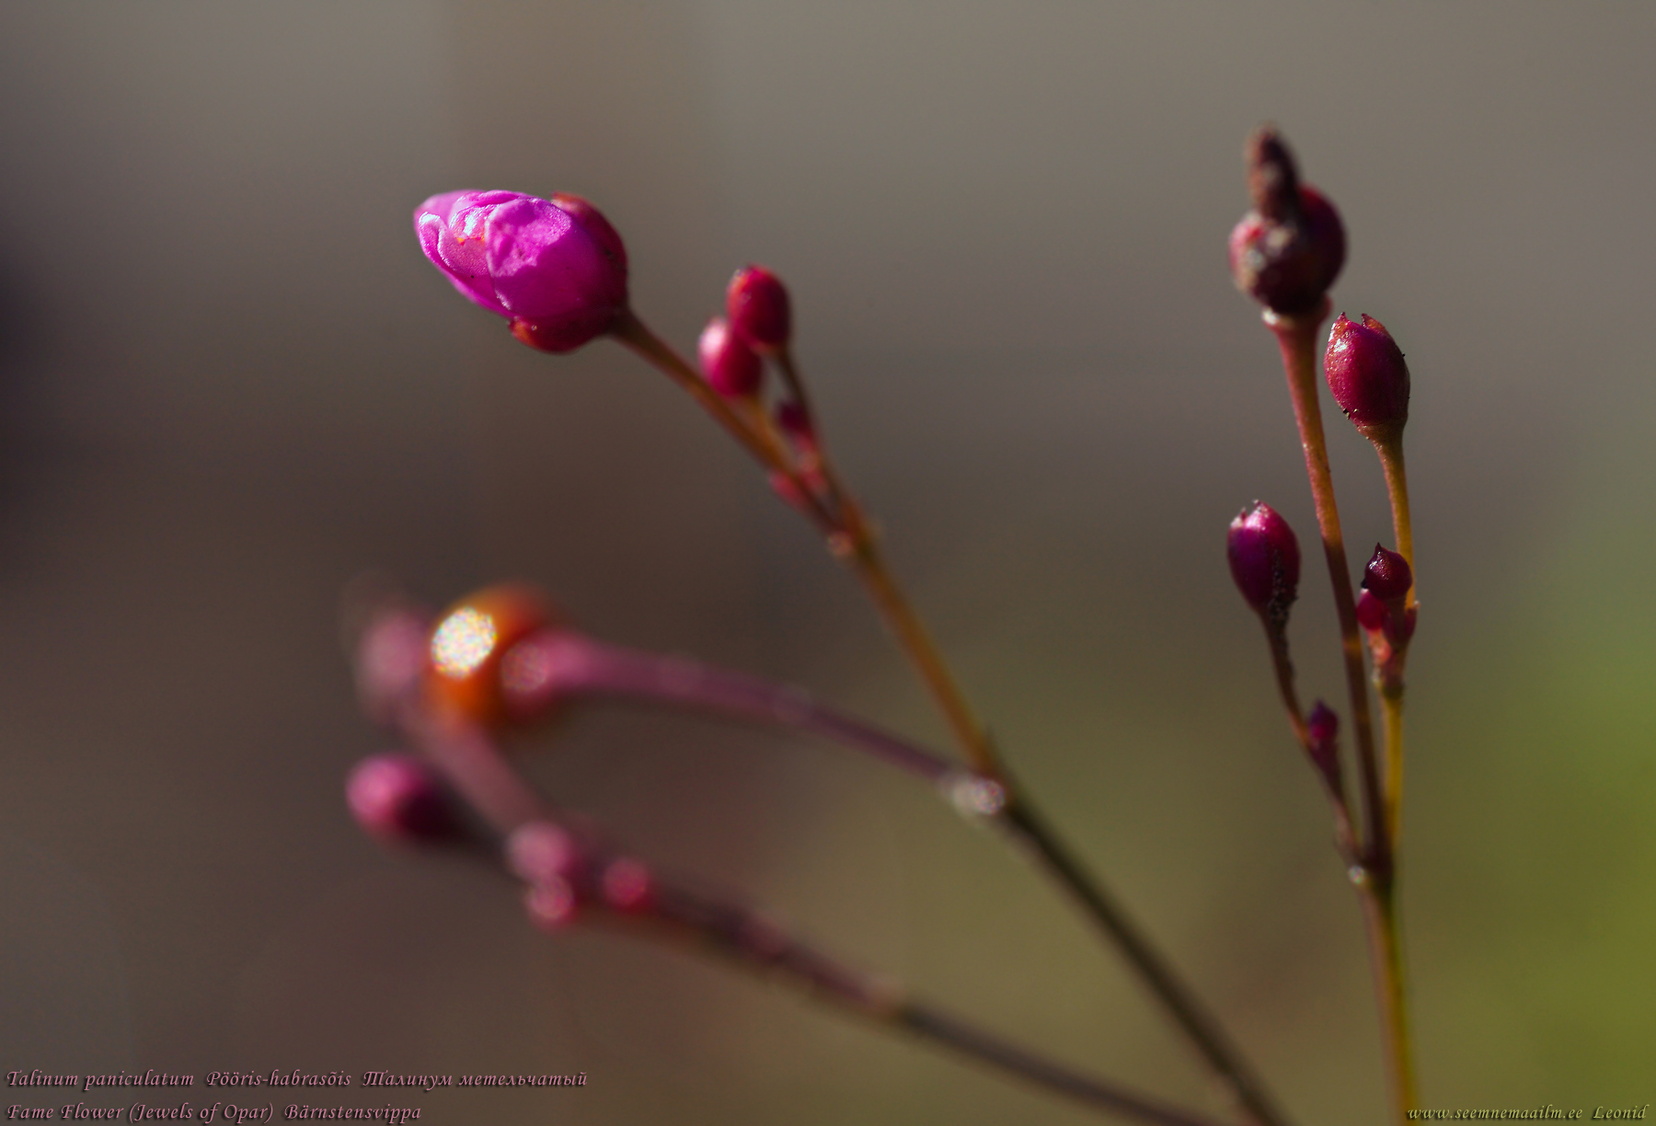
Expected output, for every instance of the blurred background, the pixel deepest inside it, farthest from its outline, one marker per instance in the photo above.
(229, 383)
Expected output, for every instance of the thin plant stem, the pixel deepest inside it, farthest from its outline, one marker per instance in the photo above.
(1376, 883)
(1392, 465)
(1397, 491)
(474, 766)
(1386, 951)
(1282, 664)
(756, 944)
(1027, 828)
(577, 664)
(1019, 817)
(852, 537)
(761, 442)
(1297, 337)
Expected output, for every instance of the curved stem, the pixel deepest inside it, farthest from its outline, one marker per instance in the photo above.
(571, 663)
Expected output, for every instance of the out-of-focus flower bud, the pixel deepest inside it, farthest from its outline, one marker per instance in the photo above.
(470, 642)
(399, 799)
(627, 885)
(551, 906)
(731, 367)
(555, 268)
(1322, 733)
(1264, 561)
(390, 659)
(539, 852)
(758, 308)
(1366, 372)
(1288, 250)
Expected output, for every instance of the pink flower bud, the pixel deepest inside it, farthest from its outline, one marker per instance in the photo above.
(797, 424)
(1322, 733)
(757, 304)
(1288, 250)
(1366, 372)
(398, 798)
(1387, 574)
(732, 368)
(390, 660)
(555, 268)
(542, 853)
(1264, 561)
(627, 885)
(551, 906)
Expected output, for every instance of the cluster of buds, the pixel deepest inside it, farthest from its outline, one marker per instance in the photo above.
(1387, 619)
(563, 875)
(556, 270)
(1286, 253)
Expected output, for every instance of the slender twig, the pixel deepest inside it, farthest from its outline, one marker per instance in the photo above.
(852, 537)
(1297, 338)
(468, 758)
(569, 663)
(1022, 820)
(1200, 1026)
(761, 442)
(1276, 636)
(1390, 450)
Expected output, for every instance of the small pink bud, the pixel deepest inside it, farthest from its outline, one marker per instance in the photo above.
(551, 906)
(398, 798)
(626, 885)
(1322, 733)
(540, 852)
(1288, 250)
(1264, 561)
(555, 268)
(757, 304)
(1366, 372)
(1387, 574)
(790, 492)
(732, 368)
(797, 424)
(390, 660)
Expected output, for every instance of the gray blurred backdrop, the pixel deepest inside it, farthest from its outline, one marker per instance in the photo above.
(230, 383)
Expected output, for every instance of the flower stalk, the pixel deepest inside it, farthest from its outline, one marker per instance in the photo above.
(1375, 875)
